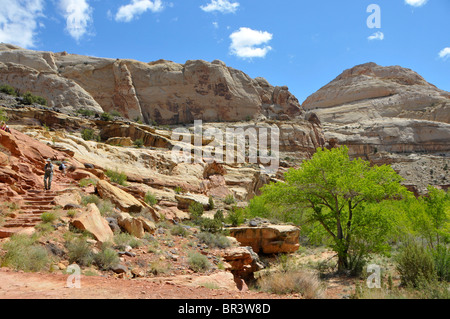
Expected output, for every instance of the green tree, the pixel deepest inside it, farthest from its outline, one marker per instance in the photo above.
(336, 192)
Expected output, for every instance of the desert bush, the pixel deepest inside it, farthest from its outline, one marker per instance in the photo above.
(179, 230)
(86, 112)
(48, 217)
(87, 181)
(303, 282)
(117, 177)
(214, 240)
(415, 264)
(236, 217)
(150, 199)
(8, 89)
(211, 225)
(80, 252)
(106, 117)
(124, 239)
(211, 203)
(106, 258)
(229, 200)
(29, 99)
(90, 199)
(106, 207)
(115, 113)
(89, 135)
(198, 262)
(24, 253)
(196, 210)
(139, 143)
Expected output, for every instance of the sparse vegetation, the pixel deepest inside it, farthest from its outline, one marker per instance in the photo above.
(198, 262)
(25, 253)
(150, 199)
(29, 99)
(117, 177)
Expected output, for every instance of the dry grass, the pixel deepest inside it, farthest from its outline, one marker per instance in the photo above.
(306, 283)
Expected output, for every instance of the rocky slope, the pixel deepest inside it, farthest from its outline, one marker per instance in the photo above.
(162, 91)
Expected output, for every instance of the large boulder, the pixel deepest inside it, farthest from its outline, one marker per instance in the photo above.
(92, 221)
(268, 239)
(123, 200)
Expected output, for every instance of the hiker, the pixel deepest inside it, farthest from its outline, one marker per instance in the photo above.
(3, 126)
(63, 167)
(48, 175)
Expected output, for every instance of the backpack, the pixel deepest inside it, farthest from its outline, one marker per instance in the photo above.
(49, 168)
(62, 167)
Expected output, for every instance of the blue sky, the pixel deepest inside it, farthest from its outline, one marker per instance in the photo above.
(298, 43)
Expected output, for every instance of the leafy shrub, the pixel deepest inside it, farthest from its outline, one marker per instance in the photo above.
(236, 217)
(229, 200)
(3, 117)
(441, 256)
(23, 253)
(106, 117)
(179, 190)
(219, 216)
(211, 203)
(29, 99)
(150, 199)
(139, 143)
(7, 89)
(196, 210)
(211, 225)
(415, 265)
(198, 262)
(86, 112)
(89, 135)
(117, 177)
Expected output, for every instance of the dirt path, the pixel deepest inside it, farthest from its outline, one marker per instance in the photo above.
(20, 285)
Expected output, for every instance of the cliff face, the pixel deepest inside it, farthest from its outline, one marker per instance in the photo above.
(161, 91)
(370, 91)
(372, 108)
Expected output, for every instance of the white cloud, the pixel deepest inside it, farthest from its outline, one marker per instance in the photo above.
(216, 24)
(224, 6)
(445, 53)
(416, 3)
(248, 43)
(78, 15)
(377, 36)
(128, 12)
(18, 21)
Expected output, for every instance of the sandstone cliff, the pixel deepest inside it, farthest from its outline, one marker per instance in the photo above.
(370, 91)
(162, 91)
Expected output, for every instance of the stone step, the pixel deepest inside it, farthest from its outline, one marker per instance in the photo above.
(19, 225)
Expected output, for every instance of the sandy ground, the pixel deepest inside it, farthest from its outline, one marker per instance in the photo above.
(20, 285)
